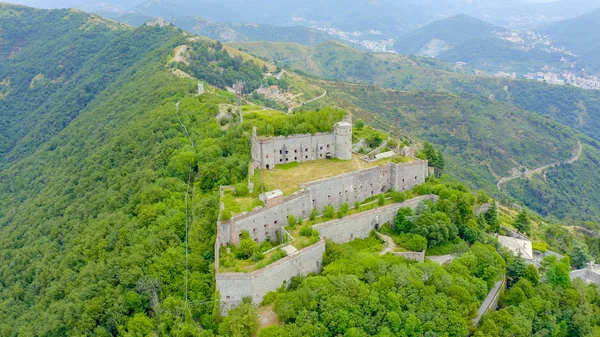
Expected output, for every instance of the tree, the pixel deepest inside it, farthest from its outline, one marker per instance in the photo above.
(436, 227)
(402, 220)
(360, 124)
(522, 223)
(580, 254)
(491, 217)
(557, 273)
(532, 274)
(241, 321)
(247, 247)
(140, 326)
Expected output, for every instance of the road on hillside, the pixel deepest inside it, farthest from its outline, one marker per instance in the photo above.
(528, 173)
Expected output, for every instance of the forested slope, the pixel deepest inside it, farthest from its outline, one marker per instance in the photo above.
(51, 72)
(483, 140)
(571, 106)
(93, 222)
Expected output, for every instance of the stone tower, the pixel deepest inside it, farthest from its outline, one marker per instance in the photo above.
(343, 140)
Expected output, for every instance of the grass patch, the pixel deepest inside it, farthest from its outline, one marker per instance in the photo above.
(288, 177)
(238, 205)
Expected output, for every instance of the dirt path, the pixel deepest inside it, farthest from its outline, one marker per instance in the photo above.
(267, 317)
(390, 244)
(528, 173)
(291, 109)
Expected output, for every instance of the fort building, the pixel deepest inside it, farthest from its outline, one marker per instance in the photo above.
(268, 222)
(267, 152)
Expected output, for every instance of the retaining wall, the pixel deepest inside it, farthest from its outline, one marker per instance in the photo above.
(359, 226)
(491, 301)
(417, 256)
(233, 287)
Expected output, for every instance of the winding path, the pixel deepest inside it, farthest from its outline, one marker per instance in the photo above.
(390, 244)
(528, 173)
(291, 109)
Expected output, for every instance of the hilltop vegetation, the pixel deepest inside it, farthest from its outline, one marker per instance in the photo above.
(93, 221)
(482, 140)
(97, 215)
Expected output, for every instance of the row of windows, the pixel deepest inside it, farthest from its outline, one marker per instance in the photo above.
(296, 151)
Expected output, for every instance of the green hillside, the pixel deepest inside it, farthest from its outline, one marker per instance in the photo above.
(107, 219)
(93, 220)
(571, 106)
(51, 72)
(577, 35)
(483, 140)
(454, 30)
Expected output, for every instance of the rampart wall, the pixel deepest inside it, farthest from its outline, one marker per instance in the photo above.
(359, 226)
(266, 222)
(417, 256)
(586, 275)
(233, 287)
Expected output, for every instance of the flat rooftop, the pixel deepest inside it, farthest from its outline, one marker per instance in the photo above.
(288, 177)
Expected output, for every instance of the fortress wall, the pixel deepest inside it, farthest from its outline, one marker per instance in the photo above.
(359, 226)
(417, 256)
(267, 222)
(349, 187)
(586, 275)
(233, 287)
(267, 153)
(407, 176)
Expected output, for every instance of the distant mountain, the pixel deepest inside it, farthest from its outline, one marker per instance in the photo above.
(483, 46)
(87, 5)
(580, 35)
(230, 32)
(446, 34)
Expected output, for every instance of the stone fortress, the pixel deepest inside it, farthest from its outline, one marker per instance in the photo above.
(268, 152)
(268, 222)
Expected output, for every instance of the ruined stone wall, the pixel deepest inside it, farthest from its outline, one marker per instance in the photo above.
(233, 287)
(417, 256)
(359, 226)
(355, 186)
(266, 223)
(349, 187)
(267, 153)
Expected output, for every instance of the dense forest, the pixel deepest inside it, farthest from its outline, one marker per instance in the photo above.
(109, 195)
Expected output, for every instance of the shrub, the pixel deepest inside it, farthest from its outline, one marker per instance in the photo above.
(380, 200)
(539, 246)
(291, 220)
(313, 214)
(306, 231)
(343, 210)
(257, 256)
(329, 212)
(357, 204)
(241, 189)
(412, 242)
(398, 196)
(225, 215)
